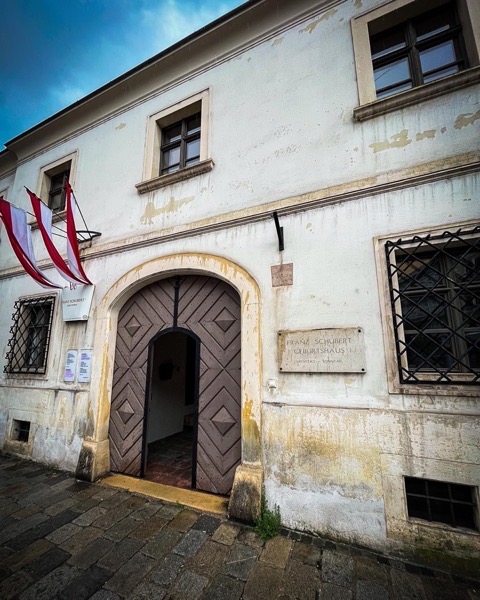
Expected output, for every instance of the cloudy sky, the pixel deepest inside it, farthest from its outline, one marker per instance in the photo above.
(54, 52)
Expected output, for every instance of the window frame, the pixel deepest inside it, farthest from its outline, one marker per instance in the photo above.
(43, 189)
(413, 47)
(396, 12)
(56, 189)
(460, 386)
(18, 346)
(181, 143)
(151, 179)
(445, 288)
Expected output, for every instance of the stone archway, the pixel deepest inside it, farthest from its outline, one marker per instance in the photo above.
(95, 455)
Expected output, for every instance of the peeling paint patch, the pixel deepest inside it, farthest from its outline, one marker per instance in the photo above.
(277, 41)
(443, 130)
(358, 4)
(466, 119)
(171, 206)
(246, 185)
(326, 15)
(282, 131)
(290, 149)
(428, 134)
(399, 140)
(121, 126)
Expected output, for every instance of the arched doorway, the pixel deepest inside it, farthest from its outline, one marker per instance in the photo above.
(201, 308)
(171, 419)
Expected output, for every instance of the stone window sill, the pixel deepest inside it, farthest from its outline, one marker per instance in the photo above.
(163, 180)
(419, 94)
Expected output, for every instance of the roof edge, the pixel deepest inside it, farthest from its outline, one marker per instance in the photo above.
(173, 48)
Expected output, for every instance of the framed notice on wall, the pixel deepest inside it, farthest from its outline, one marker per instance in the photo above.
(85, 366)
(70, 366)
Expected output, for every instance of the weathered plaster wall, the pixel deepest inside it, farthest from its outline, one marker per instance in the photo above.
(281, 152)
(334, 448)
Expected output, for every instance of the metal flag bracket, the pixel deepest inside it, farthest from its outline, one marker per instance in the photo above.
(281, 245)
(86, 235)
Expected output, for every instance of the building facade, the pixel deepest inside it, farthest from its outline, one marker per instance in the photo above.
(339, 374)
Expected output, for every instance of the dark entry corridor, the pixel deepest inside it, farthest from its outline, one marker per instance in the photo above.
(170, 460)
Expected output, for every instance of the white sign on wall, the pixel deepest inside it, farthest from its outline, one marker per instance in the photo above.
(85, 366)
(70, 366)
(76, 303)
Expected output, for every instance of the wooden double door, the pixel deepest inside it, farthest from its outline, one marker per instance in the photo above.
(209, 310)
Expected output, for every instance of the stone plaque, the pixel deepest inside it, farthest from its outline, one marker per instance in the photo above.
(282, 275)
(322, 351)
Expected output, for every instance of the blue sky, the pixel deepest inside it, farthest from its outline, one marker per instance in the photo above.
(54, 52)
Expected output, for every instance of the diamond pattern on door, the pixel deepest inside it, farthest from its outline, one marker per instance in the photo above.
(223, 420)
(145, 314)
(210, 308)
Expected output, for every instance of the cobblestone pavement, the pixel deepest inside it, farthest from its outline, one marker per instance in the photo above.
(65, 539)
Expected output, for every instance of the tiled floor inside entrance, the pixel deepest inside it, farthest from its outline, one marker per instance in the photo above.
(169, 460)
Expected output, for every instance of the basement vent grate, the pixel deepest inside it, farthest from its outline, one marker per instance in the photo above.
(450, 503)
(21, 430)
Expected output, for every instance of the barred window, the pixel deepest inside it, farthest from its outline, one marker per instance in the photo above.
(435, 297)
(28, 345)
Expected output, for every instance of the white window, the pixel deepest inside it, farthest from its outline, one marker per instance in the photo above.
(177, 145)
(407, 51)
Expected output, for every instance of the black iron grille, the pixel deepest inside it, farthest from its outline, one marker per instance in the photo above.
(435, 297)
(30, 339)
(450, 503)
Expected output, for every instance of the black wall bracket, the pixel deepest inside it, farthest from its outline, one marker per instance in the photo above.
(279, 229)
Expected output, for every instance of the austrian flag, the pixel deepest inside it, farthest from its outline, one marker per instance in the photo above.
(73, 253)
(72, 272)
(19, 234)
(18, 231)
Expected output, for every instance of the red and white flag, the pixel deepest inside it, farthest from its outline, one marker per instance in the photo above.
(44, 218)
(18, 231)
(73, 253)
